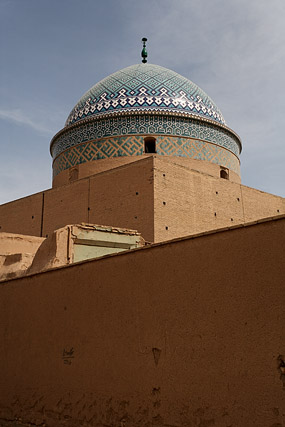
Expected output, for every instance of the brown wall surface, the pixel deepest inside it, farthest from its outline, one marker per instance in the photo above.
(19, 243)
(65, 205)
(22, 216)
(189, 202)
(108, 198)
(120, 197)
(257, 202)
(170, 194)
(123, 197)
(91, 168)
(207, 168)
(96, 166)
(186, 333)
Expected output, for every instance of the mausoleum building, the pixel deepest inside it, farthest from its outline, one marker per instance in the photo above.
(146, 287)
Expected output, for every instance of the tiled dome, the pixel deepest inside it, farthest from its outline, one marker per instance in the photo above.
(140, 105)
(145, 87)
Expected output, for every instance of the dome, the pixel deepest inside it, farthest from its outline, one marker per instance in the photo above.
(139, 110)
(145, 87)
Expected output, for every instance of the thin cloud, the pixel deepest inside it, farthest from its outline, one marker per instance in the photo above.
(232, 49)
(17, 116)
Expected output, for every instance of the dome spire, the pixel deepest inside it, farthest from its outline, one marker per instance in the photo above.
(144, 52)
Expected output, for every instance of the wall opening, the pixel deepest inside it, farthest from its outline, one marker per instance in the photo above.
(73, 173)
(224, 173)
(149, 144)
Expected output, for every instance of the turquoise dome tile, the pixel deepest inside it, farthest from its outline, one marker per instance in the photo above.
(115, 115)
(133, 146)
(145, 87)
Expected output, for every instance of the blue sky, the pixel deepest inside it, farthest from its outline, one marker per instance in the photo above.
(52, 51)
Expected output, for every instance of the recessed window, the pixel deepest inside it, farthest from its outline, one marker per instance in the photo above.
(224, 173)
(149, 144)
(73, 174)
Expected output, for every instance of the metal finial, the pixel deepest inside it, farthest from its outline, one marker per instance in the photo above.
(144, 52)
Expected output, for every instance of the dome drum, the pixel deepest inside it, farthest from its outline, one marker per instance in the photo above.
(116, 115)
(134, 145)
(138, 123)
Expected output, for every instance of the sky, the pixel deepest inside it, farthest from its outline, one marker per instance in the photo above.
(53, 51)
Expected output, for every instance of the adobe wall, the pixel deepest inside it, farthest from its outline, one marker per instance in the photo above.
(17, 252)
(86, 169)
(185, 333)
(123, 197)
(147, 195)
(67, 205)
(23, 216)
(120, 197)
(18, 243)
(188, 202)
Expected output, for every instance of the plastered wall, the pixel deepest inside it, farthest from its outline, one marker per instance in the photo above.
(124, 198)
(163, 198)
(86, 169)
(23, 216)
(120, 197)
(67, 205)
(188, 202)
(186, 333)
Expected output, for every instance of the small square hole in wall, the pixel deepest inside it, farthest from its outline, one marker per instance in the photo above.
(166, 228)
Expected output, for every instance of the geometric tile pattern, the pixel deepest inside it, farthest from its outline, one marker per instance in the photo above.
(197, 149)
(145, 87)
(154, 124)
(134, 145)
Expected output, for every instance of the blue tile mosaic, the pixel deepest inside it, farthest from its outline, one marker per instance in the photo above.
(134, 145)
(114, 116)
(145, 87)
(145, 124)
